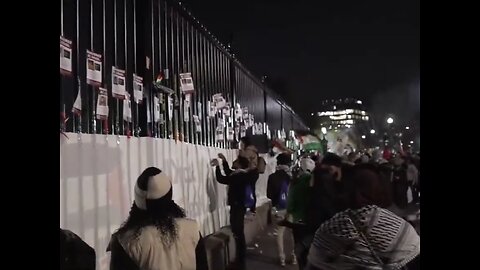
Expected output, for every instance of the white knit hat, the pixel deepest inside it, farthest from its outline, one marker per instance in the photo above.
(152, 184)
(307, 164)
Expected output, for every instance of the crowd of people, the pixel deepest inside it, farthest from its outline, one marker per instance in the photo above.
(343, 211)
(336, 208)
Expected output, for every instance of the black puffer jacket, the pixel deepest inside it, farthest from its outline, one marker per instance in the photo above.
(237, 181)
(274, 185)
(75, 254)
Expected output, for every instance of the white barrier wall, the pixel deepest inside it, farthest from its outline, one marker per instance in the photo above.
(98, 173)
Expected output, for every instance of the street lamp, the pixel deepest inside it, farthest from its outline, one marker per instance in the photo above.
(372, 131)
(390, 120)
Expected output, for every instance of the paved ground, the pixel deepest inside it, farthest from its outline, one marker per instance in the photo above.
(264, 255)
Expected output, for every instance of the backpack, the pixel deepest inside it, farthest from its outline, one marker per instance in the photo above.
(282, 201)
(249, 197)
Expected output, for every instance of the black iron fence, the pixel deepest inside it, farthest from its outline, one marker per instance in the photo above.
(158, 40)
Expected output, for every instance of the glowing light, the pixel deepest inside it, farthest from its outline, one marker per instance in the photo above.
(390, 120)
(363, 136)
(324, 130)
(407, 128)
(372, 131)
(359, 102)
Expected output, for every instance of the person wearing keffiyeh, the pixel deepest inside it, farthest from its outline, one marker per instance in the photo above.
(366, 235)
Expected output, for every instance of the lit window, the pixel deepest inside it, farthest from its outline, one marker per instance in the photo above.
(364, 113)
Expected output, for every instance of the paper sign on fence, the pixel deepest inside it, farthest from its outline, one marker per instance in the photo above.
(65, 56)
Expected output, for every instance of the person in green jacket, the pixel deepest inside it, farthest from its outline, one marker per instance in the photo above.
(297, 203)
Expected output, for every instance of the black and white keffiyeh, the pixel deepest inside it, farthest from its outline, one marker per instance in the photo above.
(367, 238)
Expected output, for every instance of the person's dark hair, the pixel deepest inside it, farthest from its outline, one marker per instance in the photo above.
(160, 213)
(246, 141)
(283, 159)
(368, 186)
(243, 162)
(332, 160)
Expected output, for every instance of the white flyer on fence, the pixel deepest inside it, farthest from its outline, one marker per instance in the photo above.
(243, 131)
(118, 83)
(137, 88)
(186, 83)
(230, 133)
(212, 110)
(238, 113)
(245, 113)
(65, 56)
(170, 108)
(219, 135)
(198, 126)
(226, 110)
(102, 104)
(127, 108)
(219, 101)
(186, 109)
(94, 68)
(156, 113)
(199, 110)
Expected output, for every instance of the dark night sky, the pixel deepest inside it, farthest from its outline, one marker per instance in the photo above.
(316, 50)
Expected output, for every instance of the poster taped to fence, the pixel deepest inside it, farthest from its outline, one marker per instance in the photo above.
(186, 110)
(212, 110)
(118, 83)
(230, 134)
(137, 89)
(243, 131)
(238, 113)
(186, 83)
(219, 101)
(102, 104)
(226, 110)
(156, 113)
(170, 108)
(127, 108)
(219, 134)
(65, 56)
(94, 68)
(199, 110)
(198, 126)
(245, 113)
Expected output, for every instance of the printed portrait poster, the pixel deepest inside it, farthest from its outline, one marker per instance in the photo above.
(186, 109)
(137, 89)
(212, 109)
(227, 110)
(230, 134)
(94, 68)
(219, 101)
(118, 83)
(219, 134)
(243, 131)
(186, 83)
(102, 104)
(245, 113)
(198, 126)
(238, 113)
(65, 56)
(127, 108)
